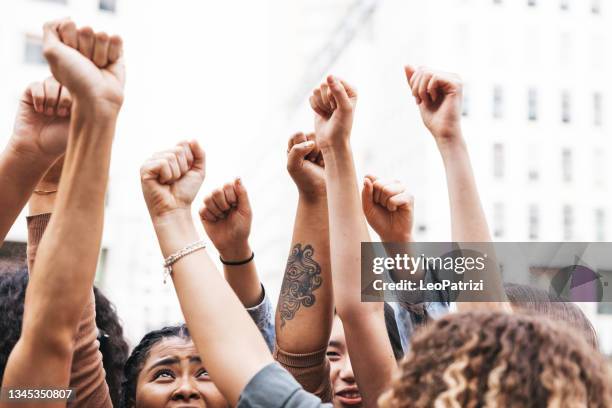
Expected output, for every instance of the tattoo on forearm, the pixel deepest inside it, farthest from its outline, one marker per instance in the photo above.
(302, 278)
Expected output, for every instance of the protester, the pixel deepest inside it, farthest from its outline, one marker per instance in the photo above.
(61, 281)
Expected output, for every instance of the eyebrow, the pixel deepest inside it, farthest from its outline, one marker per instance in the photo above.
(334, 343)
(174, 360)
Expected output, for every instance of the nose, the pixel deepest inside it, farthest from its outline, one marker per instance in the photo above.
(186, 390)
(346, 372)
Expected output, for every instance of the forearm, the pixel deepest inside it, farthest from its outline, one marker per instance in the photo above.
(243, 279)
(468, 220)
(68, 252)
(304, 320)
(20, 172)
(364, 323)
(212, 311)
(469, 225)
(347, 229)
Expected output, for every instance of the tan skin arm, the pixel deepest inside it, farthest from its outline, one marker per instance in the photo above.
(61, 281)
(364, 323)
(213, 312)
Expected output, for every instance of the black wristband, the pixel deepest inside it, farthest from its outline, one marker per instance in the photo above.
(237, 263)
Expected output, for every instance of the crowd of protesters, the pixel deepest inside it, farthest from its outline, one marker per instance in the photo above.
(321, 346)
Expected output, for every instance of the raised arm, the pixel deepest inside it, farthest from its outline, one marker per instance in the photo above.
(305, 310)
(364, 323)
(227, 339)
(439, 97)
(226, 216)
(63, 275)
(39, 139)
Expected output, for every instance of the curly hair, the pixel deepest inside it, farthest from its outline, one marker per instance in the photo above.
(499, 360)
(137, 359)
(113, 346)
(12, 296)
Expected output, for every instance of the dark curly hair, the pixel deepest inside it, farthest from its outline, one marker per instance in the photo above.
(113, 346)
(499, 360)
(139, 356)
(12, 297)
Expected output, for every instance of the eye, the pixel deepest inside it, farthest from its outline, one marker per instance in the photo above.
(333, 355)
(164, 374)
(202, 374)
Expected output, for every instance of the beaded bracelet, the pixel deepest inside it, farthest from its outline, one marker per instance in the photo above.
(172, 259)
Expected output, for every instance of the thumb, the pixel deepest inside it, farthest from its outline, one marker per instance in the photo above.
(409, 72)
(340, 94)
(297, 153)
(199, 157)
(367, 195)
(243, 198)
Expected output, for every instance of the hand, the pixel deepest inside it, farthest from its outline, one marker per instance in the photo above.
(439, 96)
(334, 104)
(389, 209)
(226, 216)
(89, 64)
(171, 179)
(43, 120)
(306, 166)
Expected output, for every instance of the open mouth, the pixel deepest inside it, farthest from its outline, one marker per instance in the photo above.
(349, 396)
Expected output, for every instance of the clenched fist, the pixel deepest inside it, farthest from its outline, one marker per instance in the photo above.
(42, 120)
(389, 209)
(334, 105)
(226, 216)
(306, 166)
(89, 64)
(171, 179)
(440, 97)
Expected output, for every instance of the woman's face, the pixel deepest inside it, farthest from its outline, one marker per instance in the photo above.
(173, 376)
(346, 393)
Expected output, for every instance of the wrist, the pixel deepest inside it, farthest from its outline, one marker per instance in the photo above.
(97, 105)
(338, 145)
(28, 152)
(236, 252)
(450, 142)
(312, 197)
(397, 238)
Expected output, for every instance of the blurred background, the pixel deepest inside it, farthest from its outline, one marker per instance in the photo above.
(236, 76)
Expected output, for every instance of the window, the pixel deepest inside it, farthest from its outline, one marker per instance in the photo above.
(596, 6)
(597, 109)
(498, 161)
(531, 3)
(499, 217)
(108, 5)
(568, 223)
(498, 102)
(532, 104)
(564, 4)
(566, 107)
(33, 53)
(566, 165)
(533, 161)
(534, 222)
(599, 168)
(605, 308)
(600, 225)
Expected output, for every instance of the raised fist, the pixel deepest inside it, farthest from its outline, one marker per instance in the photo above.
(226, 216)
(306, 166)
(89, 64)
(439, 96)
(171, 179)
(43, 119)
(334, 105)
(389, 209)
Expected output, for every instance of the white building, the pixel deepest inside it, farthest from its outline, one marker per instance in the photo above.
(237, 76)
